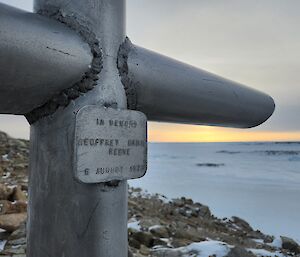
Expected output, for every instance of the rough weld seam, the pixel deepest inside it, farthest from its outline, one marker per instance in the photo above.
(89, 79)
(129, 85)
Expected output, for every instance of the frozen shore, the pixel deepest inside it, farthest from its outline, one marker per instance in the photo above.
(157, 226)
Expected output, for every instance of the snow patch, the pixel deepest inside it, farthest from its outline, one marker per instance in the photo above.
(277, 243)
(208, 248)
(154, 227)
(201, 249)
(263, 253)
(2, 245)
(163, 198)
(6, 175)
(134, 225)
(258, 241)
(5, 158)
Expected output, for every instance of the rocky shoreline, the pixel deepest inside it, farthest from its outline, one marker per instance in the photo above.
(157, 226)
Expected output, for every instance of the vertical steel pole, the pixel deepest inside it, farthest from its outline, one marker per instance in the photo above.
(68, 218)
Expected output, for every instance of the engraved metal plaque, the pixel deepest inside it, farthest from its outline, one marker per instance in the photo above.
(110, 144)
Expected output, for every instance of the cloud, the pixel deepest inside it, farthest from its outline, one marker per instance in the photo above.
(253, 42)
(24, 4)
(15, 126)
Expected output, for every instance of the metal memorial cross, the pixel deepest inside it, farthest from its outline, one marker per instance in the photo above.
(86, 90)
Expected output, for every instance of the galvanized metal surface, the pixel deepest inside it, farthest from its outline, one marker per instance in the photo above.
(39, 57)
(66, 217)
(110, 144)
(170, 91)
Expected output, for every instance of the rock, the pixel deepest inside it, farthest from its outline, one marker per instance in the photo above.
(159, 242)
(15, 255)
(180, 242)
(11, 222)
(20, 250)
(144, 238)
(134, 243)
(20, 241)
(166, 253)
(3, 137)
(159, 231)
(268, 239)
(150, 220)
(4, 235)
(130, 254)
(211, 165)
(290, 244)
(7, 207)
(239, 252)
(189, 233)
(188, 201)
(183, 211)
(144, 250)
(178, 202)
(5, 192)
(195, 211)
(19, 255)
(242, 224)
(18, 194)
(182, 222)
(16, 243)
(204, 211)
(19, 233)
(24, 187)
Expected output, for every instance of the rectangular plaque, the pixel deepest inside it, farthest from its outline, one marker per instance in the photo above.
(110, 144)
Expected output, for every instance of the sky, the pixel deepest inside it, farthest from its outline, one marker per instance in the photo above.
(256, 43)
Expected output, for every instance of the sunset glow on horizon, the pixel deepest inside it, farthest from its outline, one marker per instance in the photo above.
(188, 133)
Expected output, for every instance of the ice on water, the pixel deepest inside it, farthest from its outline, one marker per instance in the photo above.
(259, 182)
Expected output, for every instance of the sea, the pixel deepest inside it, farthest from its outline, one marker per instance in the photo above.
(259, 181)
